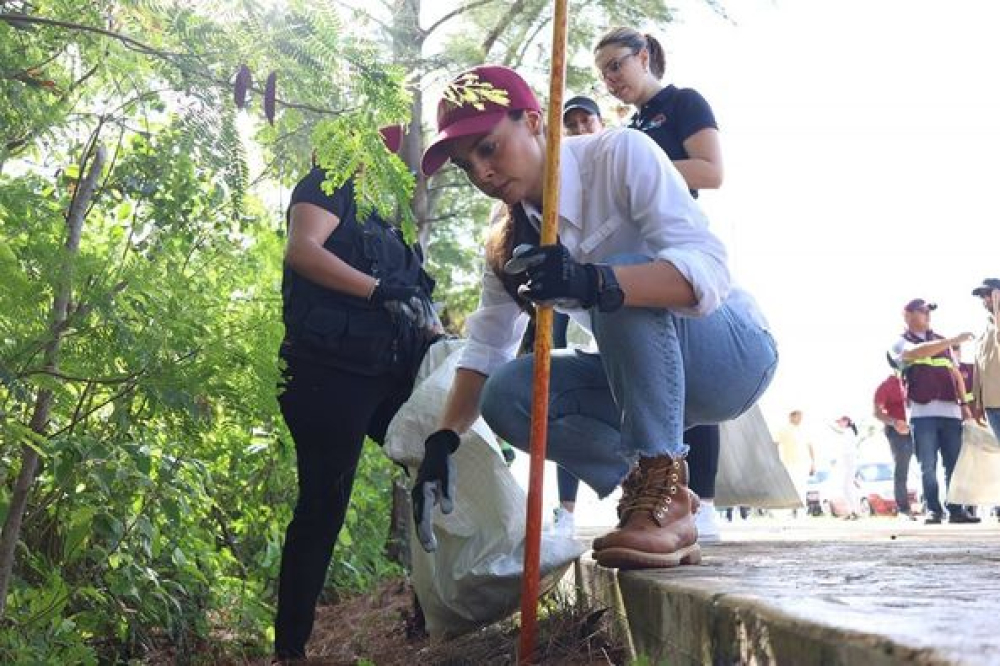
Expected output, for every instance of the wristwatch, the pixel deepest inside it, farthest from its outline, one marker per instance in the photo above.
(610, 296)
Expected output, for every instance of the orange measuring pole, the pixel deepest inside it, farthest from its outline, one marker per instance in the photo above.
(543, 347)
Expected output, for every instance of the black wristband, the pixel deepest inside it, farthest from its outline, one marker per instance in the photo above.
(447, 439)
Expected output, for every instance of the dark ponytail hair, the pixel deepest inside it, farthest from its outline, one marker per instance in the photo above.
(636, 41)
(511, 229)
(850, 424)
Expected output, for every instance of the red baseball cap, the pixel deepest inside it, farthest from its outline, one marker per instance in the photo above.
(474, 102)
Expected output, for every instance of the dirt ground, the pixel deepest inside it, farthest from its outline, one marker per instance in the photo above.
(371, 627)
(378, 629)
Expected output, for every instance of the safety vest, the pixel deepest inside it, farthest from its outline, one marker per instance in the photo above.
(348, 332)
(930, 378)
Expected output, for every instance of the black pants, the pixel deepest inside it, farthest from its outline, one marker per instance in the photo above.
(703, 459)
(328, 413)
(703, 464)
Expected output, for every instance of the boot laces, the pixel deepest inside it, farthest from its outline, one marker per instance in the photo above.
(650, 489)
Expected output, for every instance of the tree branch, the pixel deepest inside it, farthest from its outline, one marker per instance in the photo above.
(169, 56)
(504, 22)
(452, 14)
(14, 19)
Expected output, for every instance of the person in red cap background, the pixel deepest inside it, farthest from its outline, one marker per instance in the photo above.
(935, 395)
(358, 318)
(986, 378)
(636, 264)
(682, 123)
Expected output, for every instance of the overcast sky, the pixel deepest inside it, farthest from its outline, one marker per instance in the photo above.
(860, 140)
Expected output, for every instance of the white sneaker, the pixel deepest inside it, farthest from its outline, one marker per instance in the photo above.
(563, 522)
(707, 523)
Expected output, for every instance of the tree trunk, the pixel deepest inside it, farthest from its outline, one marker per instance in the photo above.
(43, 402)
(397, 547)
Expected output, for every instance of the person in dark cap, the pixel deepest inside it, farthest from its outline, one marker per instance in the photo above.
(935, 395)
(986, 378)
(358, 318)
(581, 115)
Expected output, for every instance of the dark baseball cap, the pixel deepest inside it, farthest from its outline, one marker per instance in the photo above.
(988, 285)
(920, 305)
(581, 102)
(474, 103)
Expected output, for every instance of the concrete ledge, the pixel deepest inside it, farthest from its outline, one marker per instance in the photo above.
(892, 596)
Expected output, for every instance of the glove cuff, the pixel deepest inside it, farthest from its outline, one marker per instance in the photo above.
(448, 440)
(593, 286)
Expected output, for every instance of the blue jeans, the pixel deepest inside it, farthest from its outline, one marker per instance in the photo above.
(933, 434)
(902, 451)
(993, 417)
(657, 373)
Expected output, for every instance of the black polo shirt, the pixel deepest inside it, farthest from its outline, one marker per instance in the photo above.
(671, 117)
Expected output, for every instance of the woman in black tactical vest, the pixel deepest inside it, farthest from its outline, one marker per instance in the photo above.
(681, 122)
(358, 318)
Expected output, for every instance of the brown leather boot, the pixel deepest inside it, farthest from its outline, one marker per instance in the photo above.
(655, 519)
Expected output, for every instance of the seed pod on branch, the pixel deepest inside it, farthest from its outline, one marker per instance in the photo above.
(269, 96)
(241, 85)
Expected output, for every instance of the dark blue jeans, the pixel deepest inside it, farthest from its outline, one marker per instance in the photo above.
(902, 451)
(993, 417)
(933, 434)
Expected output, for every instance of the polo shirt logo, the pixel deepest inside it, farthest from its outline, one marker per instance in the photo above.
(651, 124)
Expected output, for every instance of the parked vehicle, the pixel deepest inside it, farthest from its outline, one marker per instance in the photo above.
(824, 494)
(819, 490)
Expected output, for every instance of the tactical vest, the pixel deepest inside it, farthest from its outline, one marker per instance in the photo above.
(930, 378)
(347, 332)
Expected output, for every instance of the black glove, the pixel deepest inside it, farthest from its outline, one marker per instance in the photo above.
(385, 293)
(553, 275)
(435, 483)
(407, 301)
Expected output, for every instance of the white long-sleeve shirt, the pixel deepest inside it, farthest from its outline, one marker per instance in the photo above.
(618, 194)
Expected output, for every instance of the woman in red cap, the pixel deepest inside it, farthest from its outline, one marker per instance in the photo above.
(679, 345)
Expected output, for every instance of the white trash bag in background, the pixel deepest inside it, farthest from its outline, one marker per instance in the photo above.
(750, 471)
(976, 479)
(474, 576)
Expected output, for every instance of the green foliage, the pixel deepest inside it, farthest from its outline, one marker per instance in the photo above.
(167, 476)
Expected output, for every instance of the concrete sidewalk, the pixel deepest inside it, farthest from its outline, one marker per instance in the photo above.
(819, 591)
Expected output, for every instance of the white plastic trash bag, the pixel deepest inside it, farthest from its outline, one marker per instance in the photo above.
(474, 576)
(976, 479)
(750, 471)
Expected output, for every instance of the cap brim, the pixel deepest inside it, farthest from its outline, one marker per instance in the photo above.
(436, 154)
(582, 107)
(982, 291)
